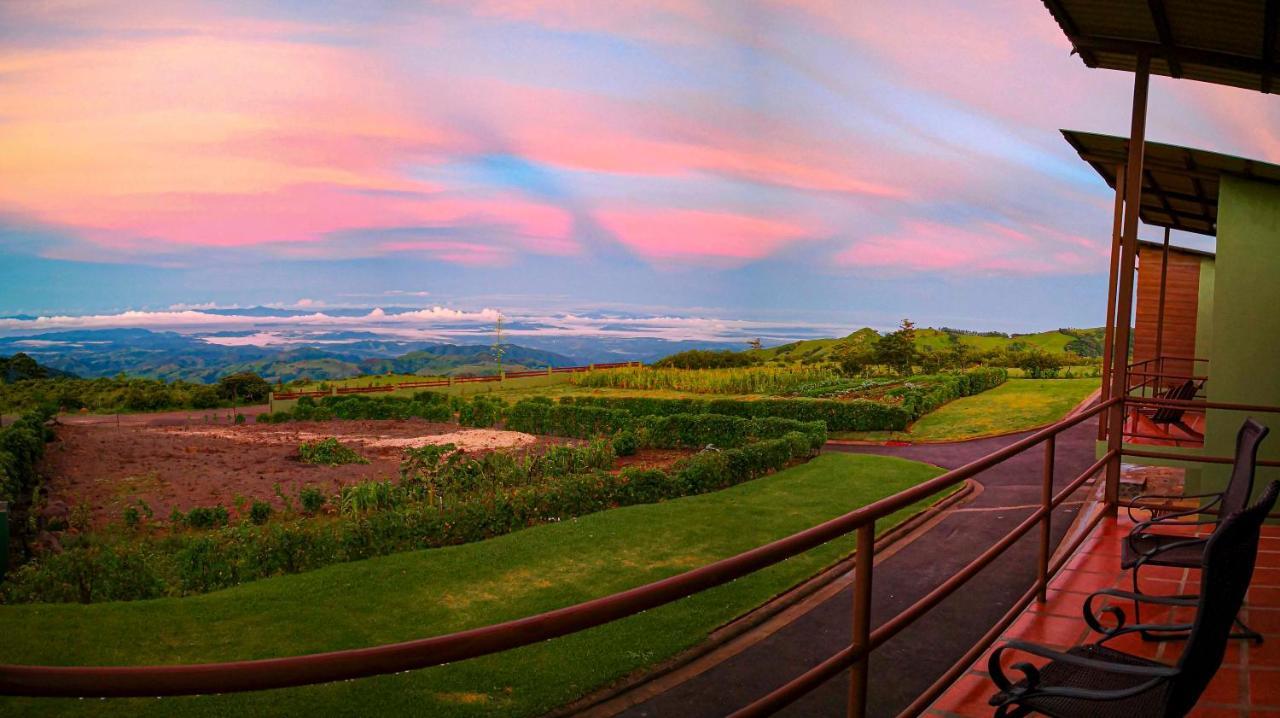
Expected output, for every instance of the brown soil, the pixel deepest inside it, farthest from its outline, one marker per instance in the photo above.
(182, 466)
(171, 463)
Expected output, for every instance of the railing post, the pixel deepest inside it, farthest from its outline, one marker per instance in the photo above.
(4, 539)
(1046, 505)
(862, 562)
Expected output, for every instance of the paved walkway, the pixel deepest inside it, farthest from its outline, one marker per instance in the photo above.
(903, 667)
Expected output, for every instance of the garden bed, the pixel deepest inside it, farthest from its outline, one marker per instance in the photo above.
(179, 467)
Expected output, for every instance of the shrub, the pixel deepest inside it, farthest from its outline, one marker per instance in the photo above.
(202, 517)
(328, 452)
(312, 500)
(259, 512)
(625, 443)
(481, 412)
(239, 418)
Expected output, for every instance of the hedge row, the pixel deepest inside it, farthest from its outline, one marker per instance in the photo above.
(855, 415)
(926, 394)
(115, 567)
(21, 447)
(682, 430)
(918, 397)
(431, 406)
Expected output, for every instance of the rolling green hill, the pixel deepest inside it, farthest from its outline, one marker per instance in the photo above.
(1083, 342)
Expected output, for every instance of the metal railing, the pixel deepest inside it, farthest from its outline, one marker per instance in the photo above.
(170, 680)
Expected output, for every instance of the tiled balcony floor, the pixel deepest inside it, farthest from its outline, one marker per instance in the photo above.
(1247, 684)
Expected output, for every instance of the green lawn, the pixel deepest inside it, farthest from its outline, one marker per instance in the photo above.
(437, 591)
(1016, 405)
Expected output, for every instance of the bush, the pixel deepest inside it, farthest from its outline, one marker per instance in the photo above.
(625, 443)
(328, 452)
(259, 512)
(312, 500)
(481, 412)
(207, 517)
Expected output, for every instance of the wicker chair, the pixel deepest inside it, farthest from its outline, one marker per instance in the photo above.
(1096, 681)
(1145, 547)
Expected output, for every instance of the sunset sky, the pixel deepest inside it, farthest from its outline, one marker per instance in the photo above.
(817, 162)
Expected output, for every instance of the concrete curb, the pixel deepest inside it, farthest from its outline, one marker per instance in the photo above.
(614, 698)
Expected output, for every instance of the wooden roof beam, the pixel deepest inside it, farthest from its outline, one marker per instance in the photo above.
(1193, 55)
(1270, 28)
(1161, 20)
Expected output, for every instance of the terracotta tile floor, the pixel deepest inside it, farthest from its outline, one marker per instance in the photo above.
(1248, 684)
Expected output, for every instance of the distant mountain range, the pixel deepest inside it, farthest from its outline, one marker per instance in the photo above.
(170, 356)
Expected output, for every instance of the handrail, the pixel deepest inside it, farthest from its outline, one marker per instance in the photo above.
(261, 674)
(1202, 404)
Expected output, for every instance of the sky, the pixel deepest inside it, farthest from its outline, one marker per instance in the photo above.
(817, 164)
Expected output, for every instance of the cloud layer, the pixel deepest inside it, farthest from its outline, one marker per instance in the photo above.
(886, 137)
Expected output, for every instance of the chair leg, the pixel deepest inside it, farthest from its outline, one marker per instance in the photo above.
(1246, 633)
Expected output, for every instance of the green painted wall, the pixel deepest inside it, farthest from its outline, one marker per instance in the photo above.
(1204, 310)
(1245, 342)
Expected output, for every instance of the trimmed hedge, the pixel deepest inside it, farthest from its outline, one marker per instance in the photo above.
(855, 415)
(684, 430)
(431, 406)
(926, 394)
(918, 397)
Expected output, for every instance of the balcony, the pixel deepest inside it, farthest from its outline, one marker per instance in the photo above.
(1248, 682)
(1172, 378)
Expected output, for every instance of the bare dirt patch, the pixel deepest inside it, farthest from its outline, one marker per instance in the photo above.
(171, 464)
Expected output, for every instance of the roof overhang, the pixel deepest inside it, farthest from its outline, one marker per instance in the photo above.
(1179, 184)
(1225, 42)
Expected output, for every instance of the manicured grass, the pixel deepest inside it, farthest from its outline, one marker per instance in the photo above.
(1016, 405)
(425, 593)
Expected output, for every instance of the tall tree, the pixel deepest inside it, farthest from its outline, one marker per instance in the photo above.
(897, 349)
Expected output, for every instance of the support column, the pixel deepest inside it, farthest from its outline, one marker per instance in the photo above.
(1159, 356)
(1124, 293)
(1117, 223)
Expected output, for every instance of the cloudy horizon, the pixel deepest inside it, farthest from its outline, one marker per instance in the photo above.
(722, 166)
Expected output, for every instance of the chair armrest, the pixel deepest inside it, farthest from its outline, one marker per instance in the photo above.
(1013, 694)
(1156, 551)
(1143, 525)
(1095, 623)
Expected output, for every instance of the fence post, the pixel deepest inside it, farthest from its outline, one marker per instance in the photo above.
(4, 538)
(1046, 505)
(549, 370)
(862, 560)
(271, 402)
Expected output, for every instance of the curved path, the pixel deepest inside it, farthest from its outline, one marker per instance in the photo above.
(903, 667)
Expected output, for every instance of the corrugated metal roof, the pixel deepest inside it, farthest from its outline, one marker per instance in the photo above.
(1226, 42)
(1180, 184)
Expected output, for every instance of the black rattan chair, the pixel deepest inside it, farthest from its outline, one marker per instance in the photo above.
(1096, 681)
(1145, 547)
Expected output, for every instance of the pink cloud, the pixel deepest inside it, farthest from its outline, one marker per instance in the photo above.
(666, 235)
(988, 247)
